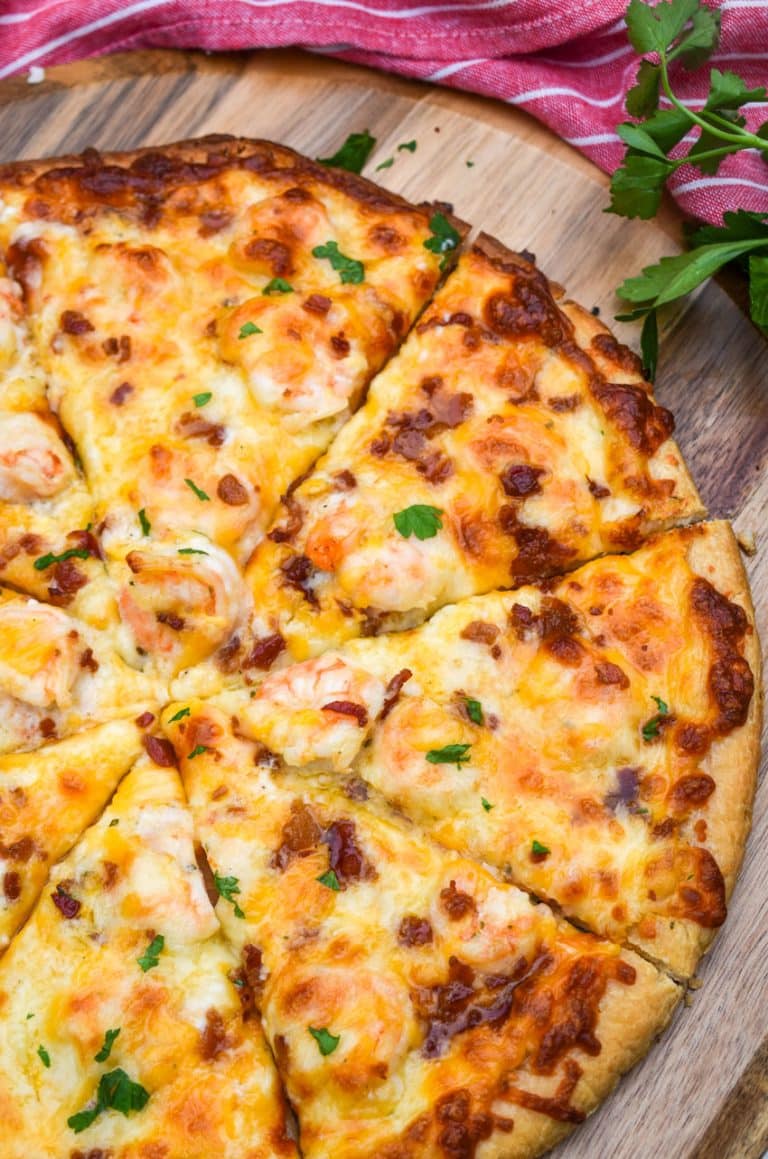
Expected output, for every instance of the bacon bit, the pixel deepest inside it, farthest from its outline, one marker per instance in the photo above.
(317, 304)
(340, 345)
(20, 850)
(608, 673)
(73, 322)
(292, 525)
(298, 571)
(88, 661)
(121, 392)
(111, 871)
(393, 690)
(194, 426)
(47, 727)
(264, 652)
(66, 580)
(301, 834)
(12, 885)
(86, 541)
(565, 403)
(231, 491)
(345, 857)
(205, 869)
(171, 620)
(145, 720)
(214, 1040)
(521, 480)
(68, 906)
(348, 708)
(344, 481)
(599, 490)
(160, 751)
(456, 903)
(226, 657)
(414, 931)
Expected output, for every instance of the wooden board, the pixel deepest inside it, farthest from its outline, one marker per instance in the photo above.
(702, 1091)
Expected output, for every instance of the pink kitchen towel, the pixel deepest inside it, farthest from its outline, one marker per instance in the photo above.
(568, 62)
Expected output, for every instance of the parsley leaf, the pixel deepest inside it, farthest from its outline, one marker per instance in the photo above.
(386, 164)
(329, 880)
(247, 329)
(198, 491)
(202, 398)
(106, 1048)
(637, 186)
(409, 145)
(420, 520)
(116, 1091)
(144, 523)
(650, 729)
(326, 1041)
(179, 715)
(450, 754)
(350, 271)
(191, 551)
(649, 345)
(277, 286)
(46, 561)
(227, 887)
(197, 751)
(474, 711)
(444, 238)
(44, 1056)
(353, 154)
(151, 956)
(539, 850)
(486, 804)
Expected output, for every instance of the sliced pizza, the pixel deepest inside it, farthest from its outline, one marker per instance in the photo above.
(58, 675)
(47, 799)
(595, 737)
(415, 1004)
(511, 438)
(124, 1030)
(208, 315)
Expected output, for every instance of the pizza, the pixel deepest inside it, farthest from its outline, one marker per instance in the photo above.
(379, 716)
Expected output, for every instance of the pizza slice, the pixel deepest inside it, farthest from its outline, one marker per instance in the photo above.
(594, 737)
(208, 315)
(47, 799)
(415, 1004)
(59, 675)
(45, 506)
(511, 438)
(124, 1031)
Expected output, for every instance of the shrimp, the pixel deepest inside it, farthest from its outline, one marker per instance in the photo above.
(40, 657)
(399, 575)
(492, 928)
(179, 608)
(34, 463)
(371, 1014)
(308, 365)
(322, 709)
(334, 533)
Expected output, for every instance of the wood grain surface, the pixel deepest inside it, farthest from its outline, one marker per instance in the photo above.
(702, 1093)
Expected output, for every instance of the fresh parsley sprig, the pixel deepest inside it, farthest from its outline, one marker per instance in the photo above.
(686, 31)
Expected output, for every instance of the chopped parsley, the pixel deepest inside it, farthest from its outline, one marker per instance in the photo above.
(539, 850)
(198, 491)
(450, 754)
(179, 715)
(197, 751)
(117, 1092)
(46, 561)
(151, 956)
(326, 1042)
(486, 804)
(191, 551)
(353, 154)
(409, 145)
(249, 328)
(469, 164)
(329, 880)
(474, 711)
(144, 523)
(444, 237)
(385, 164)
(202, 398)
(227, 887)
(106, 1047)
(420, 520)
(350, 270)
(113, 822)
(278, 286)
(30, 1016)
(651, 727)
(44, 1056)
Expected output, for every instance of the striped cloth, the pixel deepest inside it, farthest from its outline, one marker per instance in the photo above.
(568, 62)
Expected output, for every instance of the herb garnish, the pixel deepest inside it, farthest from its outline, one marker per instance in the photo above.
(202, 398)
(144, 523)
(386, 164)
(151, 956)
(46, 561)
(409, 145)
(227, 887)
(106, 1047)
(353, 154)
(197, 751)
(198, 491)
(326, 1041)
(329, 880)
(486, 804)
(116, 1091)
(539, 850)
(651, 727)
(350, 270)
(179, 715)
(474, 710)
(449, 754)
(277, 286)
(249, 328)
(191, 551)
(44, 1056)
(444, 238)
(420, 520)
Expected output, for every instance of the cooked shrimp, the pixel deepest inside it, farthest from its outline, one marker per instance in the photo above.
(34, 463)
(334, 533)
(490, 928)
(399, 575)
(322, 709)
(416, 726)
(310, 366)
(179, 608)
(41, 649)
(369, 1012)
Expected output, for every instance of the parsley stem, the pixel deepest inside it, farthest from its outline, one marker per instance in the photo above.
(726, 151)
(740, 138)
